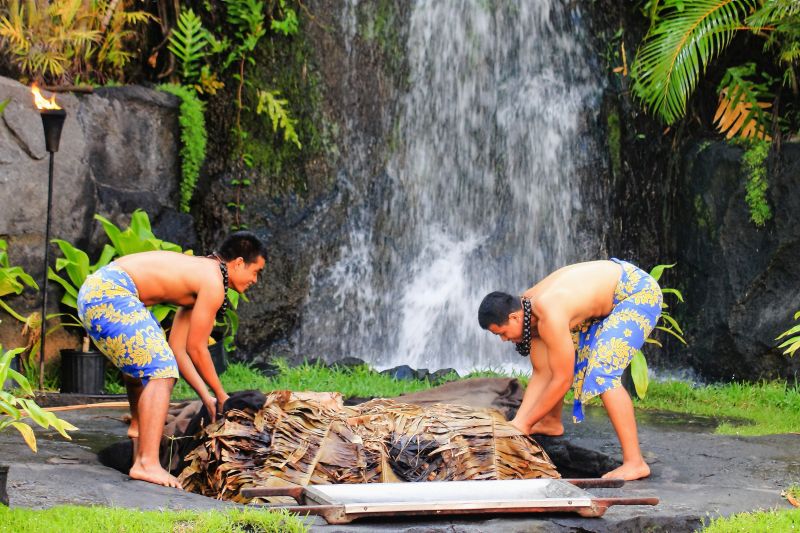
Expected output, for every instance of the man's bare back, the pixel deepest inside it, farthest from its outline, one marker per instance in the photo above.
(171, 277)
(582, 290)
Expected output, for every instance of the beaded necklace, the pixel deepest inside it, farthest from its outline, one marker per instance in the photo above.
(524, 347)
(223, 268)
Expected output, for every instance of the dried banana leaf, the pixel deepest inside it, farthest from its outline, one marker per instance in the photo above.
(297, 439)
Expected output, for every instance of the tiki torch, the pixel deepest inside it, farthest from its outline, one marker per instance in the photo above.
(52, 121)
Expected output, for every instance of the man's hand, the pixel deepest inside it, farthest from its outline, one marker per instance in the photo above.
(211, 406)
(222, 397)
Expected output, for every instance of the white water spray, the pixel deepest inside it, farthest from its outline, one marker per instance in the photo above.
(480, 190)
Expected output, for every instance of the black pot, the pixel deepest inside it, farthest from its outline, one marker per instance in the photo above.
(83, 372)
(219, 357)
(3, 481)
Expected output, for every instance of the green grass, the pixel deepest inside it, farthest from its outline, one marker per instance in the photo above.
(359, 381)
(763, 408)
(103, 519)
(757, 522)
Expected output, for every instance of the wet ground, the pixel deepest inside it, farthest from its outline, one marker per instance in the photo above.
(695, 473)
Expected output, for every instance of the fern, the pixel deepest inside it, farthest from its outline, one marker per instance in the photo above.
(679, 46)
(187, 42)
(792, 344)
(289, 24)
(741, 109)
(754, 159)
(193, 139)
(275, 107)
(63, 40)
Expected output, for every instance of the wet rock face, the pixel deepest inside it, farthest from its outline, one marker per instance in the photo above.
(741, 282)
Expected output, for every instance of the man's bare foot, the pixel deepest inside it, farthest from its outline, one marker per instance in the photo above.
(629, 471)
(155, 474)
(547, 427)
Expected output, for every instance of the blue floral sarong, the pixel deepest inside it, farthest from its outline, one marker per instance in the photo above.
(604, 347)
(122, 327)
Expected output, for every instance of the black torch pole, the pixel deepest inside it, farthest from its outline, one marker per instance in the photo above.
(52, 121)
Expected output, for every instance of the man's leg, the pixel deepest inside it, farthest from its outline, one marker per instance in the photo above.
(134, 388)
(152, 413)
(619, 406)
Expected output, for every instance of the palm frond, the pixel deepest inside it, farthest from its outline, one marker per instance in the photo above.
(742, 110)
(679, 47)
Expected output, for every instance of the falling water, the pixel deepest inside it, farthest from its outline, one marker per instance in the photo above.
(480, 192)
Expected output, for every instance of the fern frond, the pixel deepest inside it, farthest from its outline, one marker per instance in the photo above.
(186, 42)
(132, 18)
(679, 47)
(742, 110)
(276, 108)
(773, 13)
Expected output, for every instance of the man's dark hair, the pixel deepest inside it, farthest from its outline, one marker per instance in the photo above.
(242, 244)
(495, 308)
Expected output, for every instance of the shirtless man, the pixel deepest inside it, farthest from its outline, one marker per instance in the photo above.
(580, 326)
(111, 306)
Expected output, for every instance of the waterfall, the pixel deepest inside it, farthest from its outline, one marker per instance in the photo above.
(480, 192)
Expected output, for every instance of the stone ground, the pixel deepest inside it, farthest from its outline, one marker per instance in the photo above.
(695, 473)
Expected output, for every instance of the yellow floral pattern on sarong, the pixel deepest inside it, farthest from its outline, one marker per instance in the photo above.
(604, 347)
(122, 327)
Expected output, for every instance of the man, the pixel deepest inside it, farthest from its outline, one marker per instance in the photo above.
(580, 326)
(112, 307)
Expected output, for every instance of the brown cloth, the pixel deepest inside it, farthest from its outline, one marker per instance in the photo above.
(503, 394)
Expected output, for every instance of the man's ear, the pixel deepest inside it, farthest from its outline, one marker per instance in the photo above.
(516, 315)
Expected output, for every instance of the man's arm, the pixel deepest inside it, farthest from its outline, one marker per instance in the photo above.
(536, 385)
(553, 329)
(177, 341)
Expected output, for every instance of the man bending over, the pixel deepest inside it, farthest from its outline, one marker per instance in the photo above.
(580, 326)
(112, 307)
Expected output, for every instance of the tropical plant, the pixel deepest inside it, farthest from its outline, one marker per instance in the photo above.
(754, 161)
(269, 102)
(193, 139)
(666, 323)
(13, 280)
(792, 343)
(187, 42)
(14, 408)
(66, 40)
(74, 267)
(683, 39)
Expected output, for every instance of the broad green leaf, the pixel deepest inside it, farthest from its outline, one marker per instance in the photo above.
(676, 292)
(672, 322)
(659, 269)
(653, 341)
(673, 333)
(639, 373)
(27, 434)
(35, 412)
(791, 331)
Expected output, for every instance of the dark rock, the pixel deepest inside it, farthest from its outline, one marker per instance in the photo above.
(740, 288)
(442, 373)
(422, 374)
(402, 372)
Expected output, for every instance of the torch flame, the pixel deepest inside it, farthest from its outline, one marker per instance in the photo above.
(42, 102)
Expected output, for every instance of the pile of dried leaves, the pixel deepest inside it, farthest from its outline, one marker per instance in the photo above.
(302, 438)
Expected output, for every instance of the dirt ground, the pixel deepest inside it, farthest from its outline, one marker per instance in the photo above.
(695, 473)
